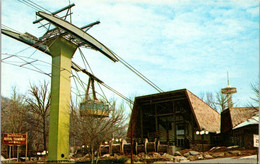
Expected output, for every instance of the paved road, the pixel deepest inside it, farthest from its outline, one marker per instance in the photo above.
(248, 159)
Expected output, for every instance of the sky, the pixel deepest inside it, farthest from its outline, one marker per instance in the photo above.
(175, 43)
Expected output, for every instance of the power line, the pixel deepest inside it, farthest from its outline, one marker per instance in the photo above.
(82, 83)
(108, 87)
(30, 5)
(33, 53)
(22, 58)
(6, 27)
(34, 45)
(103, 84)
(41, 72)
(25, 62)
(138, 73)
(84, 59)
(38, 6)
(34, 5)
(118, 93)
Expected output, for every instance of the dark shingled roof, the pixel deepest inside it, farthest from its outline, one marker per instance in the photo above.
(207, 117)
(239, 115)
(231, 117)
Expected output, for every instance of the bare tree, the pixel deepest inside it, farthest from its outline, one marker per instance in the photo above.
(92, 131)
(217, 101)
(13, 114)
(121, 132)
(74, 118)
(209, 99)
(221, 101)
(255, 89)
(38, 108)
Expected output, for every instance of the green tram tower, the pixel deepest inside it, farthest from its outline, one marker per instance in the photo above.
(62, 51)
(61, 43)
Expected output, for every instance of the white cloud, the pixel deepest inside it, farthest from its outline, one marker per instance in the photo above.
(253, 11)
(176, 44)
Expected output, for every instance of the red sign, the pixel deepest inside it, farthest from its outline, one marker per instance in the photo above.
(14, 139)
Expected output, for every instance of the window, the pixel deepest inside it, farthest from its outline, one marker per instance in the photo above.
(180, 142)
(179, 118)
(180, 129)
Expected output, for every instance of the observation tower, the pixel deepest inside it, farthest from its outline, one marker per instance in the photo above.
(228, 90)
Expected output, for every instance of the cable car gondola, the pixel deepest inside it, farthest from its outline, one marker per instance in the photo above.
(93, 107)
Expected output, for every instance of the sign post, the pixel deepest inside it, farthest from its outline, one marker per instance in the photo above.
(18, 153)
(10, 150)
(12, 139)
(26, 147)
(256, 144)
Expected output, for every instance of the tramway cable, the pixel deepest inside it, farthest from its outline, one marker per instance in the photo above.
(82, 83)
(130, 67)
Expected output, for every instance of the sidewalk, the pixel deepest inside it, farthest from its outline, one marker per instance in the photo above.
(246, 159)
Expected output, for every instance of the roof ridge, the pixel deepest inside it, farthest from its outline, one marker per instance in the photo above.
(203, 101)
(150, 95)
(247, 107)
(235, 112)
(203, 108)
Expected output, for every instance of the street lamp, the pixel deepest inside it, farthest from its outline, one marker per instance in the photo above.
(202, 133)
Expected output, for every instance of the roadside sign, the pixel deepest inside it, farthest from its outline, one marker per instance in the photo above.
(256, 140)
(14, 139)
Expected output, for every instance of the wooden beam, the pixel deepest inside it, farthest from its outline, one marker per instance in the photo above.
(174, 126)
(156, 119)
(141, 121)
(162, 115)
(148, 102)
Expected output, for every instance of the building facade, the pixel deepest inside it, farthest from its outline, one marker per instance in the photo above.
(178, 118)
(238, 125)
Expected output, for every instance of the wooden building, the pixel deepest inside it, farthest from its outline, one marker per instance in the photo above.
(238, 125)
(173, 118)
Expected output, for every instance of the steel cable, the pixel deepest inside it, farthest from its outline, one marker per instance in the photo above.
(138, 73)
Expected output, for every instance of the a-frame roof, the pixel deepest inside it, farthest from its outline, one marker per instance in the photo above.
(251, 121)
(206, 117)
(241, 114)
(232, 117)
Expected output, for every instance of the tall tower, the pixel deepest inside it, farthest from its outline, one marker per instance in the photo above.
(228, 90)
(60, 43)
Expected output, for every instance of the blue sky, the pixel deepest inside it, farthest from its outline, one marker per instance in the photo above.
(175, 43)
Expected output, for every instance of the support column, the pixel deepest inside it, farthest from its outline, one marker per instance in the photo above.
(156, 121)
(174, 124)
(141, 121)
(62, 52)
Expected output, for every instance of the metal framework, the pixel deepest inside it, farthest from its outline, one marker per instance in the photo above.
(27, 39)
(74, 35)
(61, 43)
